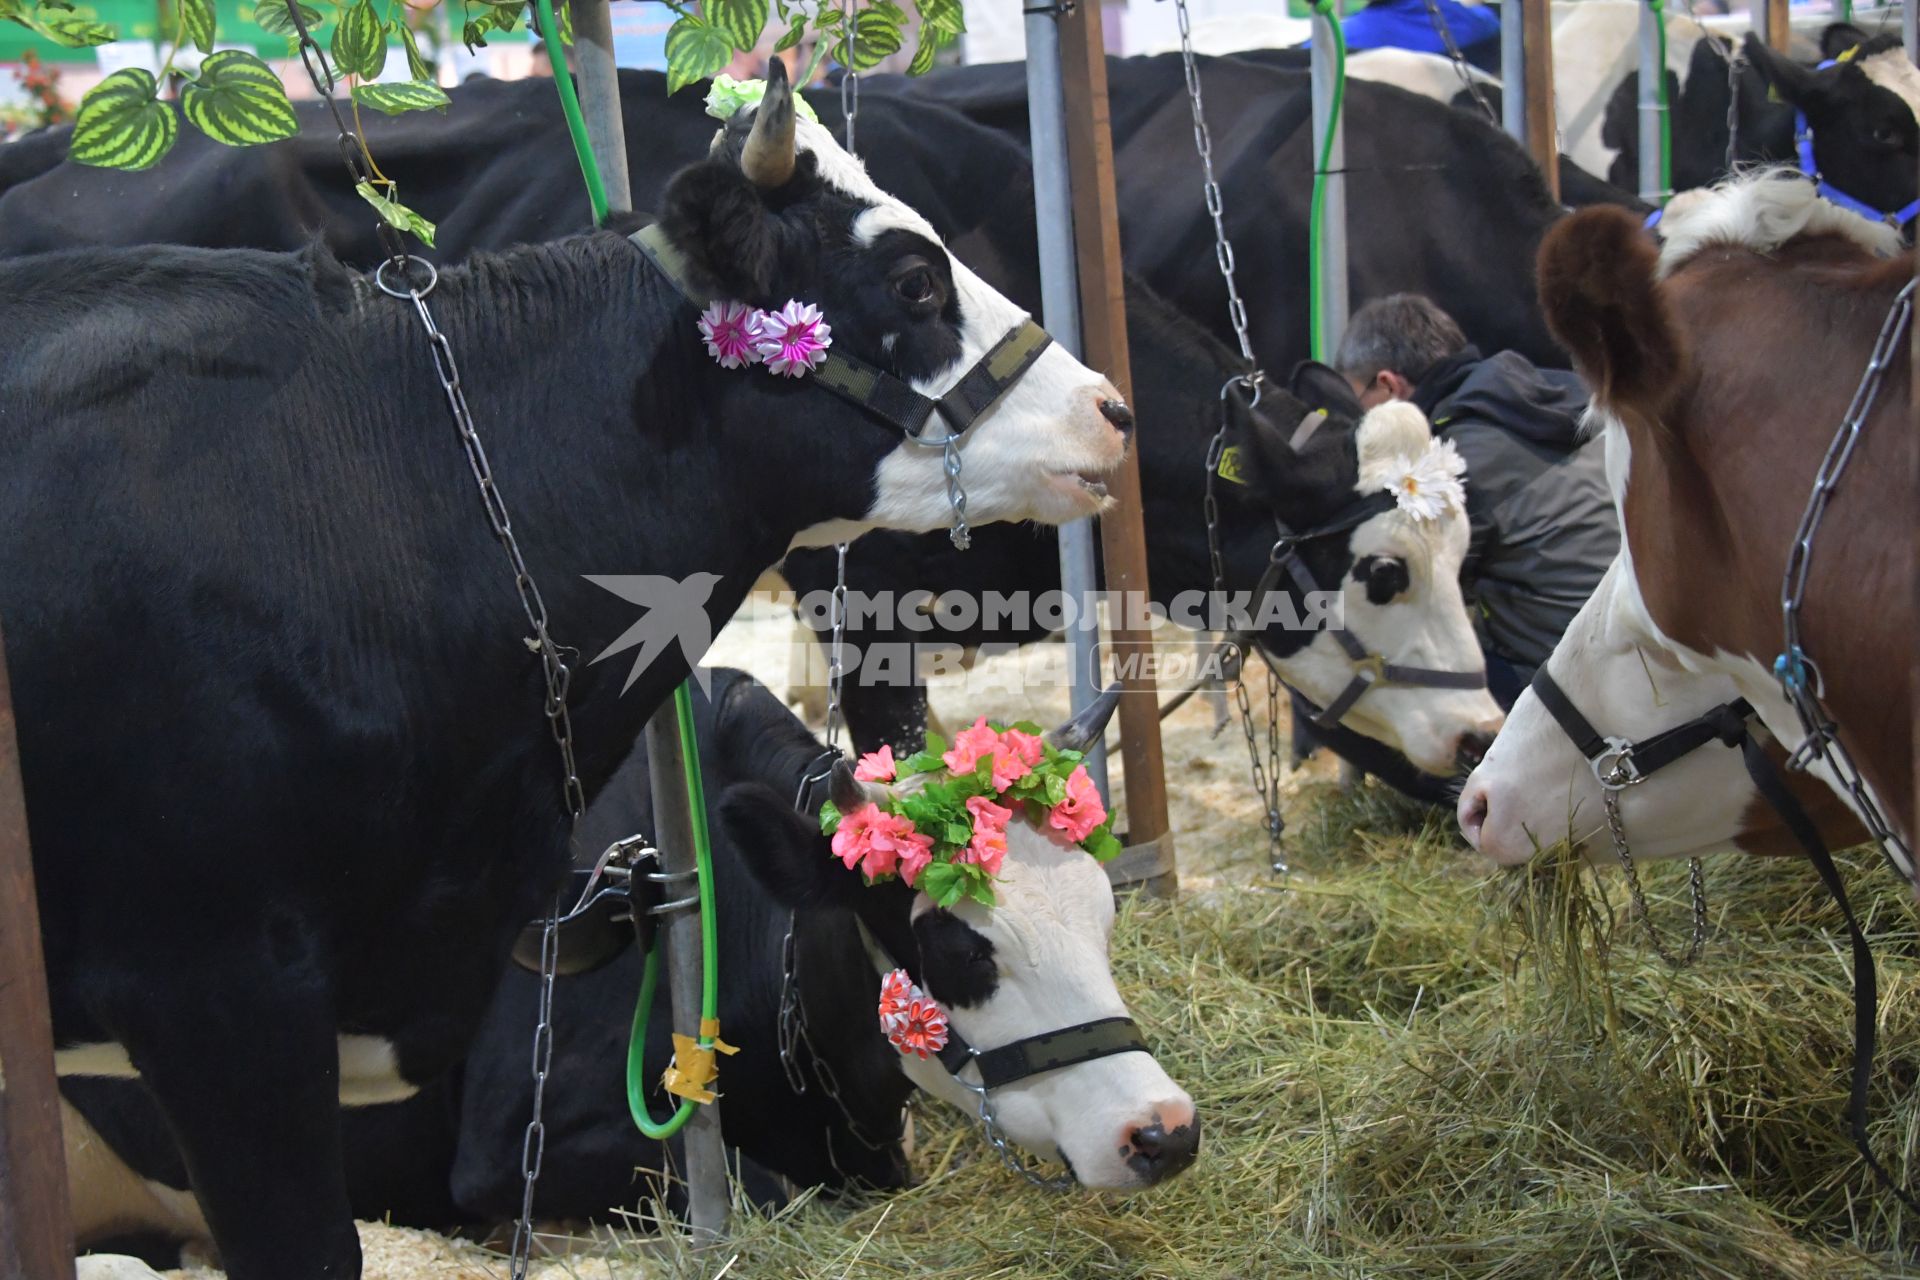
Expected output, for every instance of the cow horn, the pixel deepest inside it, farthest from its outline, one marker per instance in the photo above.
(769, 157)
(1086, 728)
(846, 791)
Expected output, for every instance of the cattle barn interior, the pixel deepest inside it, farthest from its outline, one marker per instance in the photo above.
(1139, 1014)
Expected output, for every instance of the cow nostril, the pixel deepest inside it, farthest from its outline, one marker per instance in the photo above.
(1472, 749)
(1160, 1152)
(1473, 815)
(1116, 412)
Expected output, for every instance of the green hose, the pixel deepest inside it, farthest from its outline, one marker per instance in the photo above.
(709, 946)
(1316, 226)
(570, 107)
(1666, 114)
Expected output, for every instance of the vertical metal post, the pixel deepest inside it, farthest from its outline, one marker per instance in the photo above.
(1910, 28)
(599, 87)
(706, 1153)
(1332, 248)
(1060, 313)
(1513, 70)
(36, 1230)
(1149, 858)
(1653, 74)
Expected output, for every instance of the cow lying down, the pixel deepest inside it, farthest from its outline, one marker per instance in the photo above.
(1035, 962)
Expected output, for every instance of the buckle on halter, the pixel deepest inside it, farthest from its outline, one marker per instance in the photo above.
(1614, 768)
(1373, 665)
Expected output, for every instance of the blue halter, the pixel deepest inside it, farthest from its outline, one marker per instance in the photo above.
(1803, 145)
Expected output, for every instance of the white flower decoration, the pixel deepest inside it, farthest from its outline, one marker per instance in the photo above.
(1429, 486)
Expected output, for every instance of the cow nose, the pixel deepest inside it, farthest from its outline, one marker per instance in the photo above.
(1116, 412)
(1471, 749)
(1473, 812)
(1157, 1152)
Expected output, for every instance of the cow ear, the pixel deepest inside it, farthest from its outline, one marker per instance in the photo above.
(1321, 387)
(1787, 80)
(1598, 272)
(784, 849)
(1389, 434)
(1840, 38)
(714, 214)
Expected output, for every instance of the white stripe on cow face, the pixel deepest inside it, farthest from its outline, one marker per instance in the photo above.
(1023, 459)
(1049, 931)
(1892, 71)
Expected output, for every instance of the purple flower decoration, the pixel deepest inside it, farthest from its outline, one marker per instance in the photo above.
(732, 331)
(794, 339)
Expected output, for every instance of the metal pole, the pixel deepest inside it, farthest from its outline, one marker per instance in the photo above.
(36, 1230)
(1060, 312)
(1333, 245)
(1910, 28)
(1652, 75)
(599, 86)
(1513, 70)
(706, 1153)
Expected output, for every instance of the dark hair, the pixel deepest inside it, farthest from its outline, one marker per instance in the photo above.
(1402, 332)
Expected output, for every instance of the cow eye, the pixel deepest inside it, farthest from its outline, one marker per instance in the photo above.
(1887, 135)
(914, 282)
(1386, 577)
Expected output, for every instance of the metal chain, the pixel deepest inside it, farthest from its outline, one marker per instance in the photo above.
(960, 535)
(836, 657)
(1799, 677)
(792, 1037)
(1459, 60)
(558, 675)
(1734, 56)
(1266, 777)
(1203, 143)
(997, 1139)
(1696, 890)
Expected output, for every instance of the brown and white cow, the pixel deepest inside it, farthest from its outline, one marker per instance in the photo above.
(1722, 361)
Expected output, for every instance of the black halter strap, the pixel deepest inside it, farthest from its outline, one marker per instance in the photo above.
(1048, 1051)
(1630, 762)
(878, 392)
(1371, 670)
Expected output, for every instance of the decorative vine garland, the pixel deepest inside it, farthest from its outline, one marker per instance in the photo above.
(947, 838)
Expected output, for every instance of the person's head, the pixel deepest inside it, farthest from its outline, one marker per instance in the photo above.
(542, 61)
(1392, 343)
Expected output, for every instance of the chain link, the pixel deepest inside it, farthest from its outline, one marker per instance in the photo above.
(792, 1038)
(997, 1139)
(558, 674)
(1799, 678)
(1203, 143)
(836, 657)
(1696, 890)
(960, 535)
(1459, 60)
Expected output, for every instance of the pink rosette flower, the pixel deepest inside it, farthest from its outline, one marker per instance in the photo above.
(988, 848)
(794, 340)
(1025, 747)
(876, 766)
(923, 1030)
(969, 745)
(896, 993)
(1081, 811)
(732, 331)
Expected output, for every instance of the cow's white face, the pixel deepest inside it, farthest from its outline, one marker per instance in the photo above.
(1036, 962)
(779, 210)
(1403, 601)
(1535, 788)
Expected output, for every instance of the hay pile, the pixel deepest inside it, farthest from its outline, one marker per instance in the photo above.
(1406, 1070)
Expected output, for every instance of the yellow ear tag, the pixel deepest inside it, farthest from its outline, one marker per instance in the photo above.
(1230, 468)
(1848, 55)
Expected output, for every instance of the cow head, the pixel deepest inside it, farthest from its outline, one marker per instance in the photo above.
(1861, 110)
(778, 210)
(1034, 962)
(1313, 454)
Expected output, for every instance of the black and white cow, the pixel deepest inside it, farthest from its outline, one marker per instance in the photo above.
(292, 793)
(1035, 962)
(1861, 111)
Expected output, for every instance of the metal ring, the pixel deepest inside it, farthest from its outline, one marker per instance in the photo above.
(1251, 381)
(678, 904)
(1614, 769)
(406, 263)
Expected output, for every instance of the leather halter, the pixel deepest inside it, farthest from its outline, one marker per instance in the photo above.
(1371, 670)
(878, 392)
(1618, 762)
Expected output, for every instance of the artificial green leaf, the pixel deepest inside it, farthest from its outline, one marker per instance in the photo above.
(1056, 789)
(396, 214)
(474, 33)
(122, 123)
(359, 49)
(827, 19)
(949, 16)
(272, 17)
(958, 833)
(894, 13)
(1102, 843)
(74, 31)
(194, 23)
(506, 17)
(795, 34)
(829, 817)
(406, 95)
(417, 66)
(696, 49)
(932, 41)
(942, 882)
(981, 891)
(876, 37)
(1027, 727)
(740, 20)
(937, 745)
(237, 100)
(919, 762)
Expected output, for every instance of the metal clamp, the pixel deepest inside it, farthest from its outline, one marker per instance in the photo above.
(1614, 768)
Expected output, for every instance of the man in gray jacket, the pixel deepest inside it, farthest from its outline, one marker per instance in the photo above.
(1541, 514)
